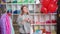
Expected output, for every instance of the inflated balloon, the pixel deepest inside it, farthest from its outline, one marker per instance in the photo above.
(49, 6)
(54, 1)
(45, 2)
(52, 7)
(44, 10)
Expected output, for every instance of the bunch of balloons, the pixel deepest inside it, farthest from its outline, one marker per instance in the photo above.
(49, 6)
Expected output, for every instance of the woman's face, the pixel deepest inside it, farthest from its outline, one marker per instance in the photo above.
(25, 9)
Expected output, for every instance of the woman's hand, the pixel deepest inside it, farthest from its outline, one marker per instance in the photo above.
(28, 20)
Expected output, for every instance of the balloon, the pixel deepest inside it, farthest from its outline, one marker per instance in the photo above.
(52, 7)
(54, 1)
(44, 10)
(45, 2)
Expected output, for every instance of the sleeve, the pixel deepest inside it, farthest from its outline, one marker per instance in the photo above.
(19, 20)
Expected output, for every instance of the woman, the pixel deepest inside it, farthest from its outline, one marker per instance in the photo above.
(24, 21)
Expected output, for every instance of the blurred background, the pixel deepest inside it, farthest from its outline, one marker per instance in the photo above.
(43, 23)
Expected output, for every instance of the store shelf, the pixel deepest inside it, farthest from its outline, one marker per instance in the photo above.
(44, 24)
(19, 14)
(51, 24)
(20, 3)
(54, 23)
(3, 3)
(33, 14)
(45, 14)
(15, 14)
(25, 3)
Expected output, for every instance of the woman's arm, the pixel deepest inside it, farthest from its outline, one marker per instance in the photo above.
(19, 20)
(29, 19)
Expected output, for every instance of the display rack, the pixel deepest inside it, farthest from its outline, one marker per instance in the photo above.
(34, 10)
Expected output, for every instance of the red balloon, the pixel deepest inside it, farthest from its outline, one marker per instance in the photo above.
(44, 10)
(52, 7)
(45, 3)
(54, 1)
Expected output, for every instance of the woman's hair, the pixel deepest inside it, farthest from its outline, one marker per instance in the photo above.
(22, 10)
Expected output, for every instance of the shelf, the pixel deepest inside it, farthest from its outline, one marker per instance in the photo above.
(3, 3)
(35, 14)
(15, 14)
(54, 23)
(44, 14)
(20, 3)
(23, 3)
(44, 24)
